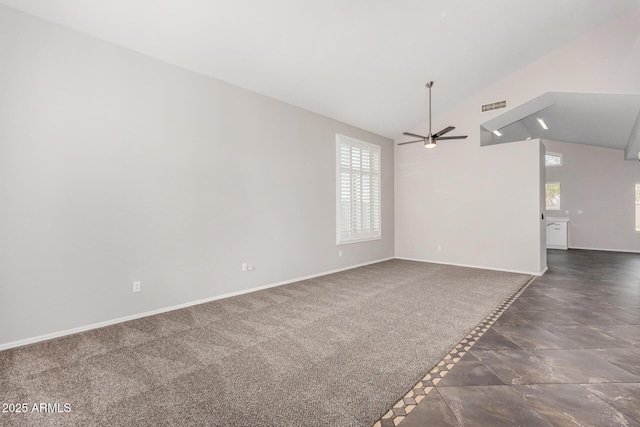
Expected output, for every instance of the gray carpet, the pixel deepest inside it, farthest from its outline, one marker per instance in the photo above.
(337, 350)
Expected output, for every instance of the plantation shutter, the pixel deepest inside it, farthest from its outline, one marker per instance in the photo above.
(358, 190)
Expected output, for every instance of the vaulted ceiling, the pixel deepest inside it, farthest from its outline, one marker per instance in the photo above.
(361, 62)
(603, 120)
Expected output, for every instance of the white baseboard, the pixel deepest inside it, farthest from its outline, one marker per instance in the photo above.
(33, 340)
(605, 250)
(539, 273)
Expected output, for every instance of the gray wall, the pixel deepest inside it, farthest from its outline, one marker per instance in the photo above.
(116, 167)
(601, 184)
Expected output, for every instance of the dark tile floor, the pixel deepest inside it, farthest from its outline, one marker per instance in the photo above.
(565, 353)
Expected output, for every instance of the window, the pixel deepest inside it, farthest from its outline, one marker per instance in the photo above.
(552, 159)
(358, 190)
(553, 196)
(637, 206)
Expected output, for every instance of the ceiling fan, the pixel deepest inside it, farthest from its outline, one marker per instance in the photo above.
(430, 140)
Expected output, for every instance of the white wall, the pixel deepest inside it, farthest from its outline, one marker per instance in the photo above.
(482, 206)
(437, 184)
(601, 184)
(116, 167)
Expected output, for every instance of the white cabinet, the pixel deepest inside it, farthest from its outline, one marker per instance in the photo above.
(557, 233)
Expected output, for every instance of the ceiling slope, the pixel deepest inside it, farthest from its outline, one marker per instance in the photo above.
(363, 63)
(603, 120)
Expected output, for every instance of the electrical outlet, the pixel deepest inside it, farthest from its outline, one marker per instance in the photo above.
(439, 248)
(136, 286)
(340, 253)
(245, 267)
(251, 267)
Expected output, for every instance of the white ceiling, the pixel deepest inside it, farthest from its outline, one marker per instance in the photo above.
(361, 62)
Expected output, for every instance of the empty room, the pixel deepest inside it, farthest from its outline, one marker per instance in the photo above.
(337, 213)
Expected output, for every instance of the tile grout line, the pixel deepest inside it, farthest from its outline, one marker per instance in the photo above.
(409, 401)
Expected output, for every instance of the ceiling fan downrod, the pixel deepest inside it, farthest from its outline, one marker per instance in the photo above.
(429, 141)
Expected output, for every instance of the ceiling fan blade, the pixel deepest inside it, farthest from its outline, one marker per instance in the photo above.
(452, 137)
(443, 131)
(413, 134)
(411, 142)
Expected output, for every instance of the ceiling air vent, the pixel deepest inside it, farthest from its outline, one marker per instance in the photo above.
(494, 106)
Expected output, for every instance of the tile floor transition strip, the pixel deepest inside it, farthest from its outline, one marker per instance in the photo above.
(409, 401)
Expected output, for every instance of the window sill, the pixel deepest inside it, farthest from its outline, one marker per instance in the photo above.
(348, 242)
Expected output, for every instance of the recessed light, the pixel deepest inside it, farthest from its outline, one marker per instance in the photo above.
(497, 132)
(543, 124)
(528, 138)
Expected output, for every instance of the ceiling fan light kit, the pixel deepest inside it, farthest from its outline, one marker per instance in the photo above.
(430, 140)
